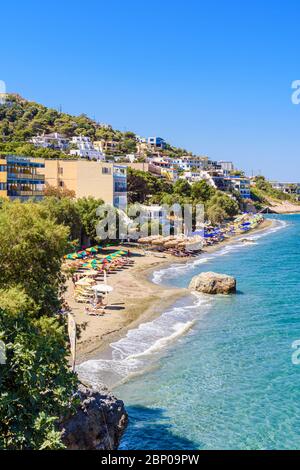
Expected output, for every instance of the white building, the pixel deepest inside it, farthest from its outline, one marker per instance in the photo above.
(192, 176)
(54, 140)
(196, 176)
(141, 140)
(85, 149)
(129, 157)
(241, 185)
(191, 162)
(162, 162)
(226, 166)
(156, 142)
(287, 188)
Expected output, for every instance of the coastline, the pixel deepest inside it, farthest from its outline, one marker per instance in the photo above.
(135, 300)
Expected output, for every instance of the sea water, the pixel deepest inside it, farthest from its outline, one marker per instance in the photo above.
(217, 372)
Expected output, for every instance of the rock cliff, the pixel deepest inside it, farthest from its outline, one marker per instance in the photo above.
(99, 422)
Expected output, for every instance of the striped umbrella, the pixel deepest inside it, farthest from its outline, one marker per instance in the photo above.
(92, 249)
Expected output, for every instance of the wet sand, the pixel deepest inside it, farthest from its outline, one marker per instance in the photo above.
(134, 300)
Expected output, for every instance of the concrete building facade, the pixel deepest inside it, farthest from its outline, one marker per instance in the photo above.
(101, 180)
(21, 177)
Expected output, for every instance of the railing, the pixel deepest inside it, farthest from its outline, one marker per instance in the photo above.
(25, 193)
(26, 176)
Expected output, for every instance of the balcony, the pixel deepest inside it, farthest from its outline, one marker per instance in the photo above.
(25, 176)
(17, 193)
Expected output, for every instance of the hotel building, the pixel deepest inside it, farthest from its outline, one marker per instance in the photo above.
(101, 180)
(21, 177)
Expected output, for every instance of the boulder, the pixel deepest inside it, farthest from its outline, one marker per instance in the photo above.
(213, 283)
(97, 424)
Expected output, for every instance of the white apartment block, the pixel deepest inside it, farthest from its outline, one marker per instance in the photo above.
(191, 162)
(54, 140)
(226, 166)
(85, 148)
(241, 185)
(196, 176)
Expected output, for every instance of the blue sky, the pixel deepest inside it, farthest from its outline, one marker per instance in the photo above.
(210, 76)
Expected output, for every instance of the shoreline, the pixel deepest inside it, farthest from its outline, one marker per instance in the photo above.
(136, 299)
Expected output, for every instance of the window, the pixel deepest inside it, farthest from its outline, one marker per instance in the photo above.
(61, 184)
(120, 186)
(3, 168)
(61, 171)
(106, 170)
(3, 186)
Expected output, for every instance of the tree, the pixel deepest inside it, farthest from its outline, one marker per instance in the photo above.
(59, 193)
(65, 211)
(216, 214)
(182, 187)
(223, 205)
(238, 173)
(31, 249)
(87, 208)
(202, 191)
(142, 185)
(129, 135)
(36, 384)
(128, 146)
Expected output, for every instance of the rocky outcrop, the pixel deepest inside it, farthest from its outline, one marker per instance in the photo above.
(98, 423)
(213, 283)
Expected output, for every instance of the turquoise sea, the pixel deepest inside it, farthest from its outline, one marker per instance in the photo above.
(217, 372)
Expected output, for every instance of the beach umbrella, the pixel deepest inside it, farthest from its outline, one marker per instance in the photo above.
(102, 288)
(91, 264)
(91, 272)
(181, 245)
(144, 240)
(84, 282)
(72, 256)
(157, 241)
(171, 244)
(92, 250)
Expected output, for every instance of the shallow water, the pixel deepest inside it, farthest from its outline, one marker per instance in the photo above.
(216, 372)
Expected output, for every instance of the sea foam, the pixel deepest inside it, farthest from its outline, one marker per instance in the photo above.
(142, 345)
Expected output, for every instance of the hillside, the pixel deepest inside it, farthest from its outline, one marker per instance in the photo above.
(21, 119)
(266, 197)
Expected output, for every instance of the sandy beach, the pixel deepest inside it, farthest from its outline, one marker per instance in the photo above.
(284, 207)
(134, 300)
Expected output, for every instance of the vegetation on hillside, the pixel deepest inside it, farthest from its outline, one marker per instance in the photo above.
(148, 189)
(21, 119)
(36, 383)
(263, 192)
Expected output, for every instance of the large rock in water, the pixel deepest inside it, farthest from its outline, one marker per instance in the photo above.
(98, 423)
(213, 283)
